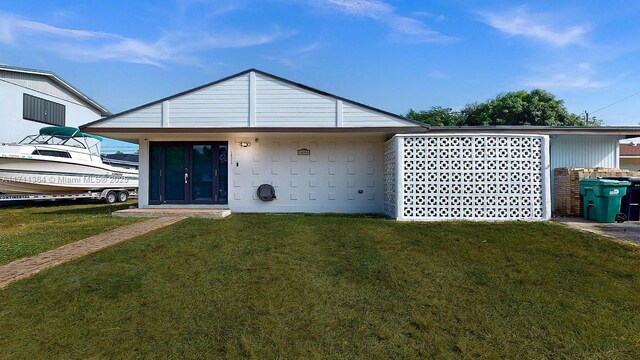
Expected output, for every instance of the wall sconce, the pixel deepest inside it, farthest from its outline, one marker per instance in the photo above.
(245, 144)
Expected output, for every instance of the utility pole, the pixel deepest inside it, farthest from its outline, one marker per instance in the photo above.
(586, 117)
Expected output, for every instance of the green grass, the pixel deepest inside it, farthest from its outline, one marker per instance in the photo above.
(32, 229)
(296, 286)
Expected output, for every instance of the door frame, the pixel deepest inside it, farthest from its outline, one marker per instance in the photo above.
(188, 161)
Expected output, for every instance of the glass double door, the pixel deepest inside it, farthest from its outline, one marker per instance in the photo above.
(188, 173)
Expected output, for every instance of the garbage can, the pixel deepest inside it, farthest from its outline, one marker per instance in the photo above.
(601, 198)
(630, 204)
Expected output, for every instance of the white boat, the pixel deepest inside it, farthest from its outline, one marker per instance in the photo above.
(60, 160)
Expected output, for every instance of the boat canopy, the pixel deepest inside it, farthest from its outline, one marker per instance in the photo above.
(66, 131)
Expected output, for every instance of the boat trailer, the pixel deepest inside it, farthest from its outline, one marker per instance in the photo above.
(110, 196)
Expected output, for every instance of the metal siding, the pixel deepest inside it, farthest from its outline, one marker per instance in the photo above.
(41, 84)
(15, 128)
(583, 151)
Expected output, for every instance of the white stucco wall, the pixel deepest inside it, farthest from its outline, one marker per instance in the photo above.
(343, 174)
(14, 128)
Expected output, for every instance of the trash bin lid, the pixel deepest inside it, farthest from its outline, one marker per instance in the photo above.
(604, 182)
(631, 179)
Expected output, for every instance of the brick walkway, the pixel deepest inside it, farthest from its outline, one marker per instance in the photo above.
(26, 267)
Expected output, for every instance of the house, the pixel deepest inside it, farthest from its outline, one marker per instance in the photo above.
(218, 144)
(630, 156)
(31, 99)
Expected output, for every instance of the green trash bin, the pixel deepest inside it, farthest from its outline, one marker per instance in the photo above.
(601, 198)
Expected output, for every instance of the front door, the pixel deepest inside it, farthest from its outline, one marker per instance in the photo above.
(188, 173)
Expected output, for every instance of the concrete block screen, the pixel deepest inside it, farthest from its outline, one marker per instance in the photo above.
(467, 177)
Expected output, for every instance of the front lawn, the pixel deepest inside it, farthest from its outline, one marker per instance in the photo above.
(296, 286)
(34, 228)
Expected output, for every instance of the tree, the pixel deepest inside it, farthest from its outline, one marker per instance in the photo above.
(436, 116)
(537, 107)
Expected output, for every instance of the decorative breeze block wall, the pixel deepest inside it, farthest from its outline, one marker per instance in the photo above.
(472, 177)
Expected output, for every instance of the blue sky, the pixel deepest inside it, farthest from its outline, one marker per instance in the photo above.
(394, 55)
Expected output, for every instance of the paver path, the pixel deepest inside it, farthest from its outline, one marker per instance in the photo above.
(26, 267)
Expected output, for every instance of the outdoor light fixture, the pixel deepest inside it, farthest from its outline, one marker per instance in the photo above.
(245, 144)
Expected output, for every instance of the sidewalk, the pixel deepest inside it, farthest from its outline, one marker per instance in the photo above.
(627, 231)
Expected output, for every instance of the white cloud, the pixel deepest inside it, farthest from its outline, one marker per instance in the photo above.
(87, 45)
(207, 8)
(568, 75)
(404, 28)
(426, 14)
(565, 81)
(293, 57)
(371, 8)
(35, 27)
(522, 22)
(308, 48)
(282, 60)
(412, 30)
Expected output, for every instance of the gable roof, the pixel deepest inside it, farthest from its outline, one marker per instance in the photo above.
(58, 80)
(154, 106)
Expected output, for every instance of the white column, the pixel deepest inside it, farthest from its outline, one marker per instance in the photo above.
(339, 114)
(546, 179)
(143, 163)
(399, 149)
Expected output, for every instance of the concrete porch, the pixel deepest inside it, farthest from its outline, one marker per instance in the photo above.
(208, 213)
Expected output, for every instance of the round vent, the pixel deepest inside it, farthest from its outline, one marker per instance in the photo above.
(266, 192)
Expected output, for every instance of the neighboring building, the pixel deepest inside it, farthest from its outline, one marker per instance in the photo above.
(630, 156)
(218, 143)
(32, 99)
(122, 160)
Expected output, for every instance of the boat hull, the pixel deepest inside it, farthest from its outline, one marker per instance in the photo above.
(29, 176)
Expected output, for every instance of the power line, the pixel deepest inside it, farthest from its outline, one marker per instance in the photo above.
(619, 101)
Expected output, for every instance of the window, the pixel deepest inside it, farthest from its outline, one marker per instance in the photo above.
(43, 111)
(62, 154)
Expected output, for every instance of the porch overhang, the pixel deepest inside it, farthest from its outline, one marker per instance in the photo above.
(133, 134)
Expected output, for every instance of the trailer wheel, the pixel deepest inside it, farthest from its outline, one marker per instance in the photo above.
(111, 197)
(123, 196)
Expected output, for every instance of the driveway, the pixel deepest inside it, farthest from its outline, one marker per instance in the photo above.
(627, 231)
